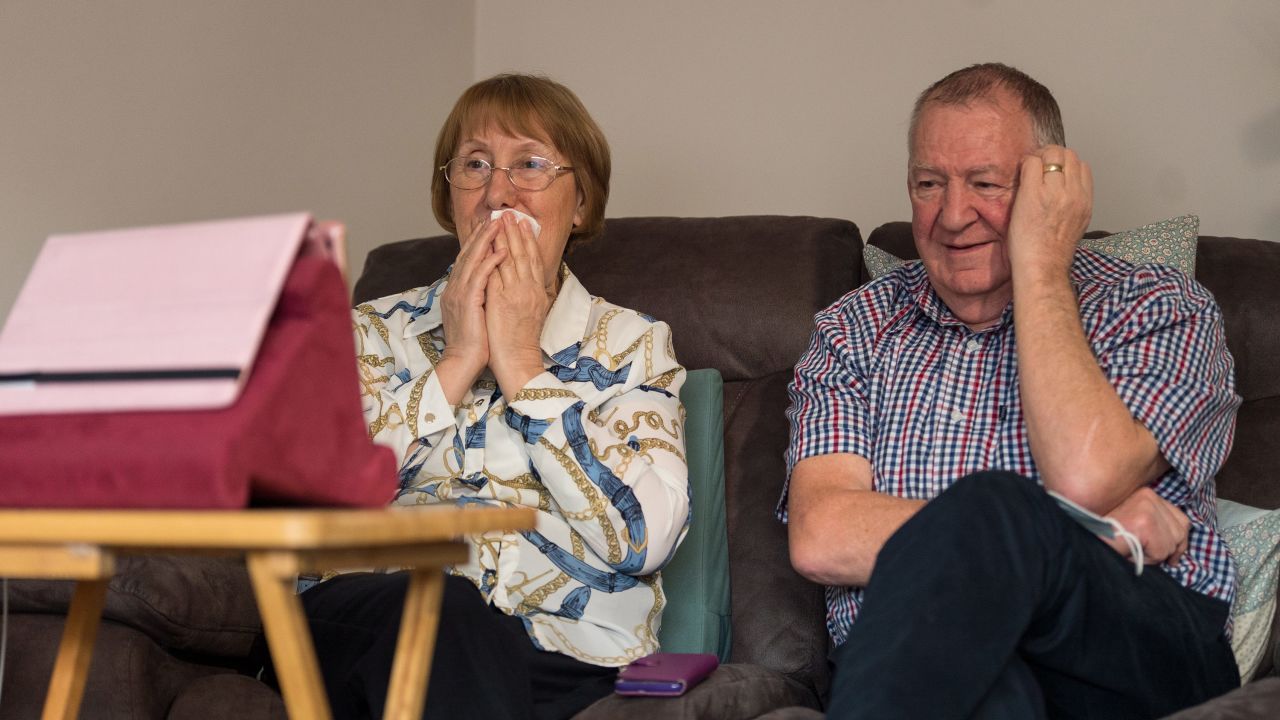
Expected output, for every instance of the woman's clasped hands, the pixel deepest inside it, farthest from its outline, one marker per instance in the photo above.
(494, 308)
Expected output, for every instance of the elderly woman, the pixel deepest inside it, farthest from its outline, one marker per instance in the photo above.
(507, 383)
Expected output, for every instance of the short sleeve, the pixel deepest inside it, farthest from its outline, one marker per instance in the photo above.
(1164, 350)
(829, 411)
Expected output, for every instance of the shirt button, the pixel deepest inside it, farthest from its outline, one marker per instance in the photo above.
(428, 417)
(957, 417)
(972, 345)
(480, 403)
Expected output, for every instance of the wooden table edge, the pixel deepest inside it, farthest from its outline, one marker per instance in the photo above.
(257, 529)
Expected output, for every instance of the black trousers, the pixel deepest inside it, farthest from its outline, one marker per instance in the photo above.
(485, 665)
(992, 603)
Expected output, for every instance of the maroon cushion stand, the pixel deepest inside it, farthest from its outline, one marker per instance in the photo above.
(296, 435)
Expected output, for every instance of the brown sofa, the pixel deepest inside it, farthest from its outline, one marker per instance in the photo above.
(740, 294)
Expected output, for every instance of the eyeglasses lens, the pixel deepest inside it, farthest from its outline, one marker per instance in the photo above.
(531, 173)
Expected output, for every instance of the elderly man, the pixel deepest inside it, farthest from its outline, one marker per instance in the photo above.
(941, 411)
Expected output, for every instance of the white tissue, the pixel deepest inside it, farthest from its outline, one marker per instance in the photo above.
(519, 216)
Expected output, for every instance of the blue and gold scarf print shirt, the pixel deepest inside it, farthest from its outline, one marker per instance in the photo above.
(595, 444)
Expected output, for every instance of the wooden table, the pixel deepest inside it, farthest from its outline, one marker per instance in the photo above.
(277, 545)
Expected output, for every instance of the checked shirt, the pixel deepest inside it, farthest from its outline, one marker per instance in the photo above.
(891, 375)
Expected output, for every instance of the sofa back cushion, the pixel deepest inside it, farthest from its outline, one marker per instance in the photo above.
(739, 292)
(197, 605)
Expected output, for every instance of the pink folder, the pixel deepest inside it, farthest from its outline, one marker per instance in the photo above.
(156, 318)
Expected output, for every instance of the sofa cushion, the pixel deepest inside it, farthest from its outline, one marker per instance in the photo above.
(1256, 700)
(696, 581)
(792, 713)
(880, 262)
(227, 696)
(201, 605)
(732, 692)
(1253, 534)
(1242, 274)
(130, 676)
(1168, 242)
(779, 620)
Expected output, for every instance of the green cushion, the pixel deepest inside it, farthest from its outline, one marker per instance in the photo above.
(696, 581)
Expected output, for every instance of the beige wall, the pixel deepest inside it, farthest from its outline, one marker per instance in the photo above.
(152, 111)
(724, 107)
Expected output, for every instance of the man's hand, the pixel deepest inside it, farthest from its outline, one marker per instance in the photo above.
(1050, 212)
(517, 301)
(1086, 443)
(1159, 525)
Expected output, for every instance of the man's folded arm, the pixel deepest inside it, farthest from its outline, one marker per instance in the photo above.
(836, 523)
(1086, 443)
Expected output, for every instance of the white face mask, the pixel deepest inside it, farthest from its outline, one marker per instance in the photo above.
(1104, 527)
(537, 229)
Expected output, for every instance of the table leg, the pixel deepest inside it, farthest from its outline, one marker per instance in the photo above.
(71, 669)
(285, 625)
(415, 645)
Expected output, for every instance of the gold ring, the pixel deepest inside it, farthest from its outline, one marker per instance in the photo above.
(1052, 167)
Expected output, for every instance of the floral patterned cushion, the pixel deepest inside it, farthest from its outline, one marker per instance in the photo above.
(880, 262)
(1254, 538)
(1168, 242)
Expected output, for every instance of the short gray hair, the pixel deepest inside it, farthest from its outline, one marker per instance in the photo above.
(980, 82)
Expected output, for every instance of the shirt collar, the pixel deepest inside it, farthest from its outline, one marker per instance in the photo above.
(566, 321)
(569, 315)
(928, 304)
(428, 315)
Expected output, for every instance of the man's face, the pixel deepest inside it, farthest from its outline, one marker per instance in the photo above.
(962, 179)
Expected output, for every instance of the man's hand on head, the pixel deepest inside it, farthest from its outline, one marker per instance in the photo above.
(1050, 212)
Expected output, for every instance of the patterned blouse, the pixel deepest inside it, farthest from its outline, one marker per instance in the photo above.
(595, 443)
(893, 376)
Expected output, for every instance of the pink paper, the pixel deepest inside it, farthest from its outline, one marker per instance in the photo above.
(177, 297)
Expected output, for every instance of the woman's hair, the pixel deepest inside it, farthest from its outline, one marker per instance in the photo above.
(539, 108)
(978, 82)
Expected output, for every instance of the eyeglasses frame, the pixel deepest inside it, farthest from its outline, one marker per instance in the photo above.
(559, 170)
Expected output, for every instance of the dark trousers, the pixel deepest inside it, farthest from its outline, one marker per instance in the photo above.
(992, 603)
(485, 665)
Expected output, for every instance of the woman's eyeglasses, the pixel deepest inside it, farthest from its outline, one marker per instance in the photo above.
(529, 173)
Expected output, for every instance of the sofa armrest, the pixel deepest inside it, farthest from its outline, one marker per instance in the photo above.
(737, 691)
(201, 605)
(1257, 700)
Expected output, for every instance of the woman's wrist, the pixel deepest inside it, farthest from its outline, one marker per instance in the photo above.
(514, 369)
(456, 376)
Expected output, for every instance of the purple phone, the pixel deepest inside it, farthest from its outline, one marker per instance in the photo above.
(664, 674)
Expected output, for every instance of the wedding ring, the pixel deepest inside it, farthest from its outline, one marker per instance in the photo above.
(1052, 167)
